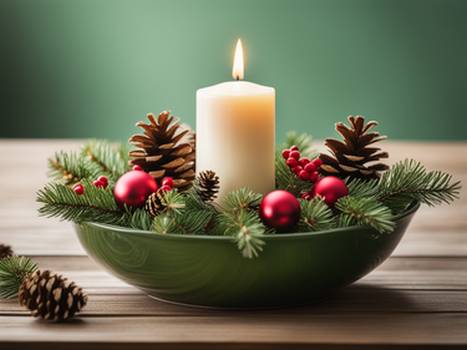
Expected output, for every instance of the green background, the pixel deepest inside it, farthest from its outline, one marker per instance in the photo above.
(92, 68)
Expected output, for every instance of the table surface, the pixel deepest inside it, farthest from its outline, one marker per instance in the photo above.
(416, 299)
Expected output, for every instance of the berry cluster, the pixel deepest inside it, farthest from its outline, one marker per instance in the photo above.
(101, 181)
(303, 167)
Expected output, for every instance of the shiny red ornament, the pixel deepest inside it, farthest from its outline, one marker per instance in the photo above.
(134, 187)
(280, 209)
(104, 180)
(331, 188)
(168, 181)
(137, 167)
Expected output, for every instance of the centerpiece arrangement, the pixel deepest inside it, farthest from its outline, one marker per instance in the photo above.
(223, 218)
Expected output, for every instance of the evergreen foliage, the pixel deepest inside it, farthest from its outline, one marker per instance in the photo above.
(13, 270)
(372, 203)
(315, 215)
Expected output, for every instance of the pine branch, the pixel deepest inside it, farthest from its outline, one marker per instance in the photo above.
(96, 204)
(408, 180)
(247, 230)
(138, 219)
(13, 270)
(302, 141)
(362, 187)
(69, 168)
(107, 158)
(184, 214)
(365, 211)
(240, 199)
(315, 215)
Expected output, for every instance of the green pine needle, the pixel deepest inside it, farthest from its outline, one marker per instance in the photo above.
(365, 211)
(13, 270)
(240, 199)
(409, 180)
(315, 215)
(70, 168)
(247, 230)
(96, 204)
(107, 158)
(362, 188)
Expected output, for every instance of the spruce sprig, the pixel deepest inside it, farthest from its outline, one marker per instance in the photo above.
(106, 158)
(13, 270)
(409, 180)
(240, 199)
(96, 204)
(315, 215)
(365, 211)
(70, 167)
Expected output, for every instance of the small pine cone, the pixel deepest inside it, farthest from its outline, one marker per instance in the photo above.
(208, 185)
(5, 251)
(356, 155)
(154, 204)
(51, 296)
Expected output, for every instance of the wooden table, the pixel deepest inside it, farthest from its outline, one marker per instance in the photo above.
(416, 299)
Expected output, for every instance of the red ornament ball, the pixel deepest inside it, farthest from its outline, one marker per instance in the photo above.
(103, 180)
(331, 188)
(280, 210)
(78, 189)
(134, 187)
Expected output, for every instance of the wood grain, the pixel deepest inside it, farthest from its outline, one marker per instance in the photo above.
(417, 299)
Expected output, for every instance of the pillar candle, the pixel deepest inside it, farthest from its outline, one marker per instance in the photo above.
(235, 132)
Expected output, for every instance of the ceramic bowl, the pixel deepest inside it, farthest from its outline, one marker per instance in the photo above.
(295, 268)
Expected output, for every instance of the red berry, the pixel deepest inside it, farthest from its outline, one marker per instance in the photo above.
(297, 170)
(314, 176)
(165, 188)
(304, 161)
(137, 167)
(295, 154)
(103, 179)
(310, 167)
(304, 175)
(98, 184)
(285, 153)
(292, 162)
(317, 162)
(78, 189)
(168, 181)
(294, 148)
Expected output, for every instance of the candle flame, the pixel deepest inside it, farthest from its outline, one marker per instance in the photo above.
(237, 70)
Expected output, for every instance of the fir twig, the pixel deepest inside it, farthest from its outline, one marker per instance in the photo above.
(240, 199)
(107, 158)
(96, 204)
(315, 215)
(13, 270)
(409, 180)
(69, 168)
(365, 211)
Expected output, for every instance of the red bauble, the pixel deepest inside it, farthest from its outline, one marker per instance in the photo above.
(78, 189)
(280, 210)
(331, 188)
(134, 187)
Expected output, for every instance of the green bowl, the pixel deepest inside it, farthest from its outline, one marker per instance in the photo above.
(209, 271)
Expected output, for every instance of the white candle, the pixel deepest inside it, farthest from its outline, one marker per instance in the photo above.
(235, 132)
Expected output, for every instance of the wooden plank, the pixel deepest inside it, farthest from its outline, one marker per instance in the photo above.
(437, 330)
(356, 299)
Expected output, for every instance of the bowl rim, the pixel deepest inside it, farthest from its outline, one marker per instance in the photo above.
(127, 230)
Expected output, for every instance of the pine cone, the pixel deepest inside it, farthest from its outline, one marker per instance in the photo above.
(51, 296)
(165, 149)
(351, 156)
(154, 204)
(5, 251)
(208, 185)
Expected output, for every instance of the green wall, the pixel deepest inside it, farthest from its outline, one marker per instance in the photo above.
(92, 68)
